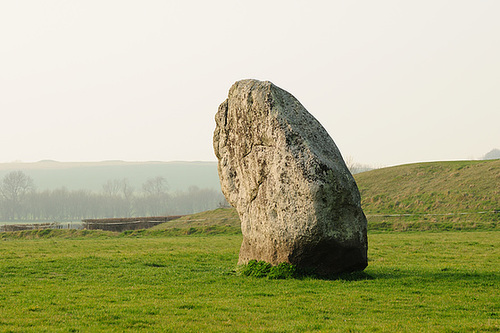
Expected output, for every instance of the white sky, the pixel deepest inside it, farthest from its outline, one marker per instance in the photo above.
(392, 81)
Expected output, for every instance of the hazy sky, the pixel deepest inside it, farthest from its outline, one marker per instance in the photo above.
(392, 81)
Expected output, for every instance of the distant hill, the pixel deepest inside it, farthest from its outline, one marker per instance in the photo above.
(492, 155)
(92, 175)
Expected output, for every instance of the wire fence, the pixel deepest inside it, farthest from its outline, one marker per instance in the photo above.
(434, 214)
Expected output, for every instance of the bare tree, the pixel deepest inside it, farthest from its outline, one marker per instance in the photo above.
(155, 195)
(117, 196)
(128, 196)
(155, 186)
(112, 187)
(127, 189)
(13, 189)
(354, 167)
(349, 162)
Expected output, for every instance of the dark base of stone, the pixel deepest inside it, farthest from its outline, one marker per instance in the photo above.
(328, 258)
(325, 258)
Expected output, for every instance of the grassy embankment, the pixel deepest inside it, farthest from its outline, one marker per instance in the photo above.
(71, 281)
(460, 195)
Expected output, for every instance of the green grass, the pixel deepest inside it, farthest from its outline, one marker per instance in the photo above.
(437, 195)
(83, 234)
(437, 187)
(222, 217)
(113, 283)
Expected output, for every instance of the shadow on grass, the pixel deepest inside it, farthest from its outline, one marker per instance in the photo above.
(285, 271)
(443, 275)
(353, 276)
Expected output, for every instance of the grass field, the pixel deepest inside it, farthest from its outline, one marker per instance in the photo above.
(81, 281)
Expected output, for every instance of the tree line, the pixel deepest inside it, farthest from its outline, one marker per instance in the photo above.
(21, 201)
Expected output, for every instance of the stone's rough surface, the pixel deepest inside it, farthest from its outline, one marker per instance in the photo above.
(280, 169)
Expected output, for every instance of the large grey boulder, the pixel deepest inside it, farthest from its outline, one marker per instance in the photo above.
(297, 201)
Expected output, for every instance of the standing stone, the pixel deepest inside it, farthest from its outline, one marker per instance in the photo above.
(296, 199)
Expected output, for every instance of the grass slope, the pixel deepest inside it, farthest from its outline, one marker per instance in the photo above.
(437, 187)
(222, 217)
(415, 282)
(461, 189)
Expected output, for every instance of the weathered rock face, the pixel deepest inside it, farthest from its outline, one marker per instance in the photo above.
(285, 176)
